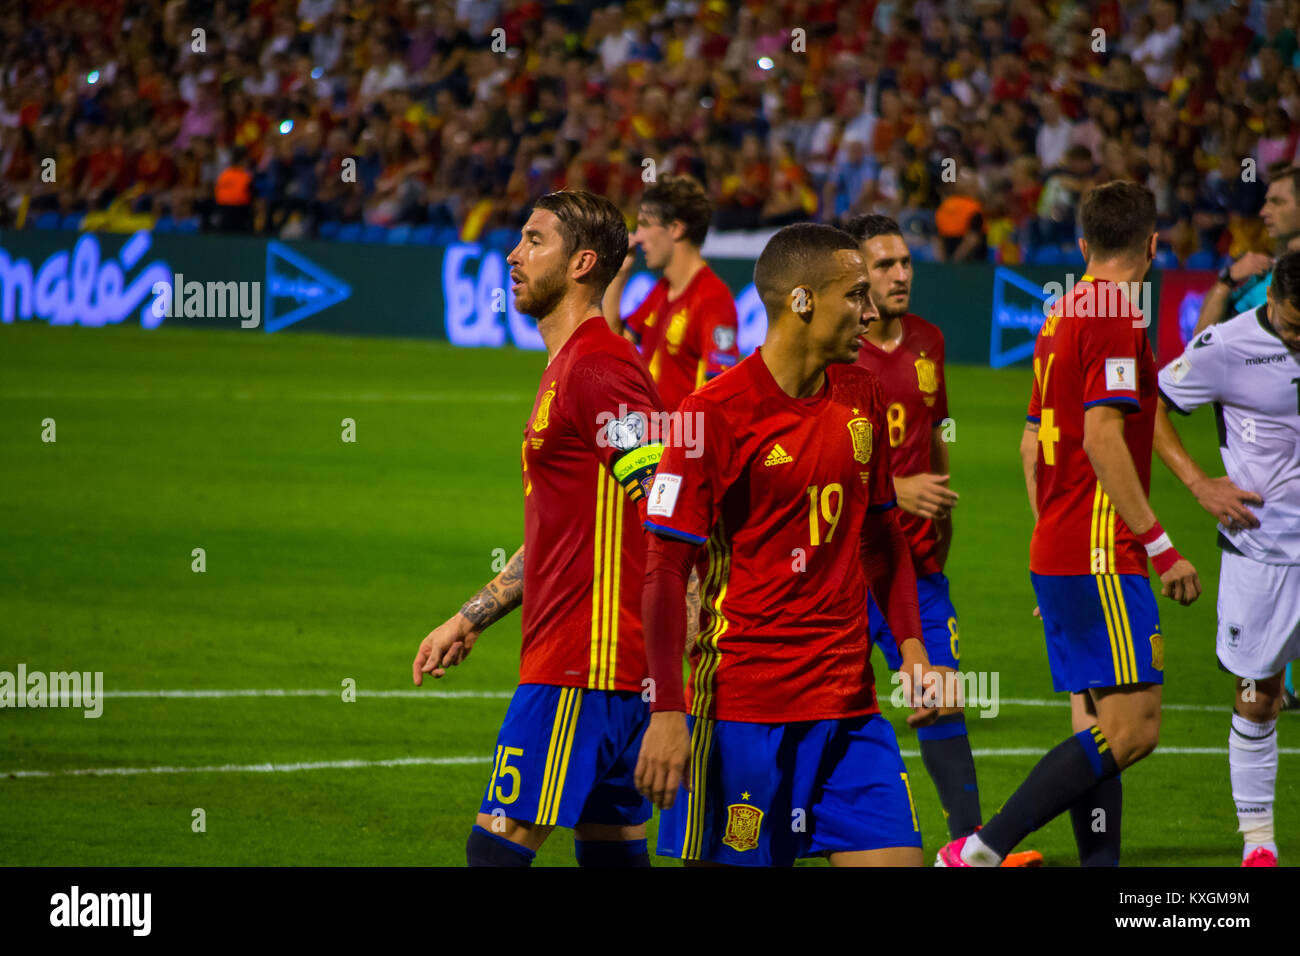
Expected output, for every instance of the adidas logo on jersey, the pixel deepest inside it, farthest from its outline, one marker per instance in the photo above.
(777, 456)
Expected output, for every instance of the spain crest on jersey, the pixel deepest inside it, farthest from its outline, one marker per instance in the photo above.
(860, 431)
(926, 379)
(743, 824)
(544, 410)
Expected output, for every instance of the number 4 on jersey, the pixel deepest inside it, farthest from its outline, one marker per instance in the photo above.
(1048, 433)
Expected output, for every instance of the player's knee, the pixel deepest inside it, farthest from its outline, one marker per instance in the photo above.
(1259, 700)
(1262, 708)
(1134, 742)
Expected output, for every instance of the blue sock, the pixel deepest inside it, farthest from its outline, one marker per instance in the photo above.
(487, 849)
(945, 750)
(611, 853)
(1289, 680)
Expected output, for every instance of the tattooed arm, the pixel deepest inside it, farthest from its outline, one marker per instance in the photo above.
(450, 642)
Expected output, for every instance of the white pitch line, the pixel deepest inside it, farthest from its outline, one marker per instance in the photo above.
(1065, 702)
(295, 692)
(463, 761)
(197, 694)
(254, 767)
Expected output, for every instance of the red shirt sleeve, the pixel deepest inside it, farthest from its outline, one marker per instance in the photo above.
(663, 615)
(613, 405)
(691, 480)
(1108, 353)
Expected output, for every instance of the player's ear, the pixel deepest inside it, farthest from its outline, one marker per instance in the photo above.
(582, 263)
(801, 302)
(1083, 248)
(1152, 247)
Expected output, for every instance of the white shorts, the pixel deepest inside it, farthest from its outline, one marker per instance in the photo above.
(1259, 616)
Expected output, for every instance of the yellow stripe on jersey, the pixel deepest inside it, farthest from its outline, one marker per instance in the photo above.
(696, 802)
(1093, 532)
(607, 565)
(1110, 534)
(699, 373)
(612, 645)
(601, 677)
(713, 592)
(596, 568)
(553, 750)
(1102, 533)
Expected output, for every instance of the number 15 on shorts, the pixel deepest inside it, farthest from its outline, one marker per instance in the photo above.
(501, 769)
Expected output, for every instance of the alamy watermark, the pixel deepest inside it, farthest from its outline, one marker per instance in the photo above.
(208, 300)
(53, 689)
(627, 430)
(975, 690)
(1086, 300)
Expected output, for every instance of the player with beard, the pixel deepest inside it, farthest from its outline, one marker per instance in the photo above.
(906, 353)
(568, 746)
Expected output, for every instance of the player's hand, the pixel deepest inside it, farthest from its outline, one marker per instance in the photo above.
(925, 699)
(1037, 613)
(926, 495)
(665, 759)
(447, 645)
(1226, 502)
(1181, 583)
(629, 260)
(1251, 264)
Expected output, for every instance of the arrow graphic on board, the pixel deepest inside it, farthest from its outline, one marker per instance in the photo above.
(290, 275)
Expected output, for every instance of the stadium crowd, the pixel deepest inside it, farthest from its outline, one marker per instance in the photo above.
(977, 124)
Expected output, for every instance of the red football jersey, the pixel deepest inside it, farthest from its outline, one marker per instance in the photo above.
(917, 395)
(776, 492)
(586, 464)
(1091, 350)
(687, 340)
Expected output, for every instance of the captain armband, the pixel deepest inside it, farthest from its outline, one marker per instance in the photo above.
(635, 469)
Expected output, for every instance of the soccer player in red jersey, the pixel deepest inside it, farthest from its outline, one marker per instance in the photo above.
(567, 749)
(1086, 452)
(686, 325)
(786, 512)
(906, 353)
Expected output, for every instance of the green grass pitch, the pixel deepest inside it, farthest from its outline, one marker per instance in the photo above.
(328, 561)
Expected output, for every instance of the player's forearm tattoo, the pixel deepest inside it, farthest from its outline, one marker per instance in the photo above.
(692, 609)
(499, 597)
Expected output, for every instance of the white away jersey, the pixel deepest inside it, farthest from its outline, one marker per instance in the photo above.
(1253, 379)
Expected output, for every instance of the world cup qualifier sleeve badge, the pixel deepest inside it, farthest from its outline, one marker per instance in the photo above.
(743, 824)
(860, 432)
